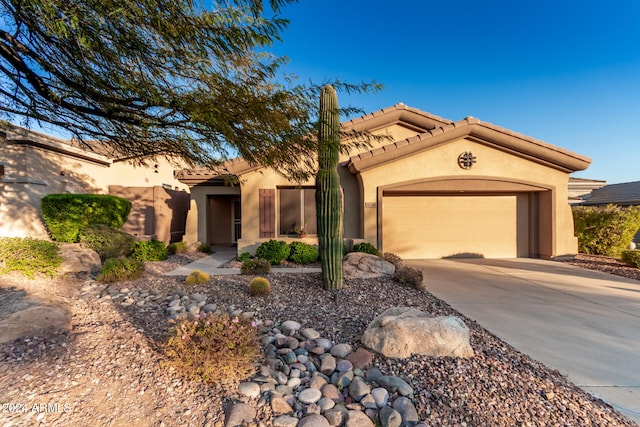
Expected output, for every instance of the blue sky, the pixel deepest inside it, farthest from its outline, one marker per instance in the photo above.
(563, 71)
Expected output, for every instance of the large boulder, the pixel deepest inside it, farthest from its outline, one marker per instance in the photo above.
(404, 331)
(361, 265)
(78, 261)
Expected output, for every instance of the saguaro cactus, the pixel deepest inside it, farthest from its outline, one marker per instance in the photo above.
(328, 194)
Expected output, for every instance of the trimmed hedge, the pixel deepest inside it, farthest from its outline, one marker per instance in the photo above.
(29, 256)
(274, 251)
(302, 253)
(149, 250)
(66, 214)
(605, 230)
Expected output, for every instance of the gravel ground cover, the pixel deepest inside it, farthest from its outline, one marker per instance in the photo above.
(109, 371)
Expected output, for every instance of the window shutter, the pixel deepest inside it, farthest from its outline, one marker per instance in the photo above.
(267, 212)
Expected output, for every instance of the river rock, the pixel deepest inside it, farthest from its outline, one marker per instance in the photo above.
(360, 265)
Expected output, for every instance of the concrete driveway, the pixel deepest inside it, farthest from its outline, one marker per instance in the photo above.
(583, 323)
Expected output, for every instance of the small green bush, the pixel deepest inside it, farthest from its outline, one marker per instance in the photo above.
(204, 248)
(256, 266)
(197, 277)
(106, 241)
(213, 348)
(259, 286)
(149, 250)
(302, 253)
(120, 270)
(366, 247)
(605, 230)
(66, 214)
(245, 256)
(631, 258)
(274, 251)
(29, 257)
(176, 248)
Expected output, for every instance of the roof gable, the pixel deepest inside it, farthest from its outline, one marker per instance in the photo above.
(482, 132)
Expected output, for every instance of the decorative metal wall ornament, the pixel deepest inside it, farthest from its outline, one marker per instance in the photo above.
(466, 160)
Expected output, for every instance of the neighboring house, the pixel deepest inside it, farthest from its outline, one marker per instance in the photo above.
(624, 194)
(580, 188)
(33, 165)
(436, 188)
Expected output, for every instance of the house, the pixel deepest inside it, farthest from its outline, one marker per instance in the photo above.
(623, 194)
(580, 188)
(33, 165)
(435, 188)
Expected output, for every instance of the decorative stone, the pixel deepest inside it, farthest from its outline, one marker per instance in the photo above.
(358, 389)
(328, 365)
(310, 334)
(249, 389)
(404, 331)
(336, 415)
(344, 379)
(360, 359)
(358, 419)
(325, 404)
(368, 402)
(360, 265)
(340, 350)
(395, 384)
(239, 414)
(285, 421)
(344, 365)
(309, 395)
(330, 391)
(407, 410)
(78, 261)
(389, 417)
(314, 421)
(380, 396)
(290, 327)
(324, 343)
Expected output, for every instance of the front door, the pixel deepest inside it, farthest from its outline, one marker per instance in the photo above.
(237, 221)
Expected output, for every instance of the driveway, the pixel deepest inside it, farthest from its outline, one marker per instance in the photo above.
(583, 323)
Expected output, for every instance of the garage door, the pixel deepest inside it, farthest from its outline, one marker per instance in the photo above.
(440, 226)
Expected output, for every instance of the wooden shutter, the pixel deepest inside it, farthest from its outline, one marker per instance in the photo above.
(267, 212)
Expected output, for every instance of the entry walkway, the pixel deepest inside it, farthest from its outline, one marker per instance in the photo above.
(583, 323)
(220, 256)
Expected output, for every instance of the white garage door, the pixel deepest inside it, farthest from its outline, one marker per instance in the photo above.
(441, 226)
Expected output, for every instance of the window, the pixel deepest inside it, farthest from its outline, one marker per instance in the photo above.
(297, 208)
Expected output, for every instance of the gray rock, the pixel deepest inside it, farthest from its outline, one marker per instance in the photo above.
(314, 421)
(395, 384)
(290, 327)
(369, 402)
(325, 404)
(249, 389)
(360, 265)
(310, 334)
(344, 379)
(78, 261)
(336, 415)
(373, 374)
(380, 396)
(358, 389)
(285, 421)
(407, 410)
(279, 406)
(309, 395)
(389, 417)
(405, 331)
(238, 414)
(324, 343)
(340, 350)
(358, 419)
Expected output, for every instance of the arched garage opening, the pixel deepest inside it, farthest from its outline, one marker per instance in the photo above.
(465, 217)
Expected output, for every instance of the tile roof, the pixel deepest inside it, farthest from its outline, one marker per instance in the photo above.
(624, 194)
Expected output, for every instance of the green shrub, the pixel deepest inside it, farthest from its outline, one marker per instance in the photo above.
(29, 256)
(106, 241)
(631, 258)
(204, 248)
(149, 250)
(245, 256)
(176, 248)
(259, 286)
(274, 251)
(255, 266)
(605, 230)
(120, 270)
(197, 277)
(213, 348)
(366, 247)
(66, 214)
(302, 253)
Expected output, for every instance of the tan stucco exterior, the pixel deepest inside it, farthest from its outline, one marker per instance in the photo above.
(35, 165)
(418, 160)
